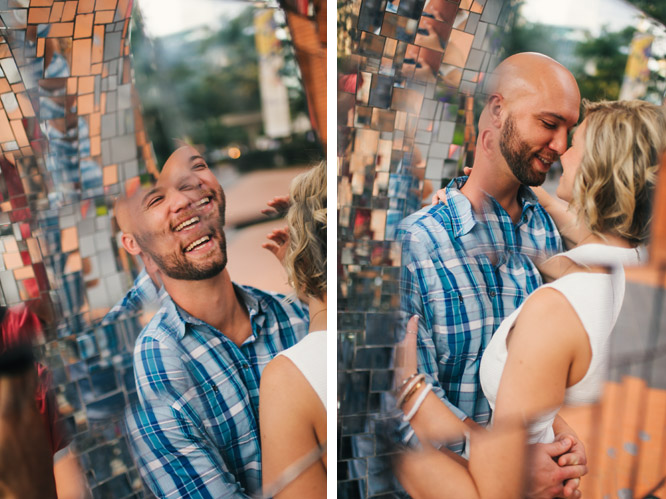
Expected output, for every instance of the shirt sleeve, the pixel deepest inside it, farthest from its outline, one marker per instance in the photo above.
(174, 457)
(417, 280)
(142, 293)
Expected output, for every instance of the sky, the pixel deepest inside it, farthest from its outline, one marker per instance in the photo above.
(591, 14)
(164, 17)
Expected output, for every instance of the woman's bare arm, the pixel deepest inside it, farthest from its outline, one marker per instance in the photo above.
(291, 418)
(548, 350)
(69, 478)
(572, 230)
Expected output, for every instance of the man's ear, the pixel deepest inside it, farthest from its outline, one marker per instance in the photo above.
(495, 107)
(130, 244)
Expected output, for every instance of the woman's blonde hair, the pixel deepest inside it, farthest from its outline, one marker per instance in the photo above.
(614, 184)
(305, 260)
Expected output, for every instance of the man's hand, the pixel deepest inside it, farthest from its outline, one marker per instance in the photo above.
(278, 241)
(574, 456)
(26, 464)
(279, 205)
(546, 479)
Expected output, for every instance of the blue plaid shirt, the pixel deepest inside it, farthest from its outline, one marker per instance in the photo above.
(463, 273)
(196, 432)
(142, 293)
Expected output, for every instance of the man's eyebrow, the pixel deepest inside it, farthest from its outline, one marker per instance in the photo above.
(552, 115)
(194, 158)
(148, 194)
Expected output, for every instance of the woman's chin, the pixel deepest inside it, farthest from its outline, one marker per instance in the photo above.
(562, 194)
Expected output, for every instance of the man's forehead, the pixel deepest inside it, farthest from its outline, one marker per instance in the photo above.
(181, 158)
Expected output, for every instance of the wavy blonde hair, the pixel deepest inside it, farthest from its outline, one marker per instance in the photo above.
(613, 187)
(305, 260)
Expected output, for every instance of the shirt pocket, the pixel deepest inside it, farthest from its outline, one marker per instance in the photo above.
(457, 333)
(228, 416)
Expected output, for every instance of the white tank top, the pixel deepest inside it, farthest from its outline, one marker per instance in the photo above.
(597, 299)
(309, 355)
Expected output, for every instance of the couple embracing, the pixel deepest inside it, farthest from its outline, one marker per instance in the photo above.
(491, 352)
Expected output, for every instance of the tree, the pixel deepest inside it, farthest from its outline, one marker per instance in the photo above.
(602, 63)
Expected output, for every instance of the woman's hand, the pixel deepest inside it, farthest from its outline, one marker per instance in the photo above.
(278, 242)
(440, 195)
(279, 205)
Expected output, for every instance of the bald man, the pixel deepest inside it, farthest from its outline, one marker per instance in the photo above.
(198, 362)
(467, 263)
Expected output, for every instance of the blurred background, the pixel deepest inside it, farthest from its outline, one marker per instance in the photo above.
(229, 74)
(94, 94)
(410, 90)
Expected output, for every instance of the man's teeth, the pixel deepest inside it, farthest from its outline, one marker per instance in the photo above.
(186, 223)
(202, 201)
(544, 160)
(196, 243)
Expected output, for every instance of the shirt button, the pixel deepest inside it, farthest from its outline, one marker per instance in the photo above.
(245, 365)
(492, 294)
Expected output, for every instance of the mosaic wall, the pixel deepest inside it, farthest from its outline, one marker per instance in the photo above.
(71, 134)
(408, 74)
(71, 137)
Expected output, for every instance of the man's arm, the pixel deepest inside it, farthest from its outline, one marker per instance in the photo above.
(173, 456)
(416, 281)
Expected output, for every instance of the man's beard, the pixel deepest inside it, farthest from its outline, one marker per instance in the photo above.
(177, 266)
(519, 156)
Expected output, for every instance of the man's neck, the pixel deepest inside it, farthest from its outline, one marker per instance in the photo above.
(213, 301)
(488, 180)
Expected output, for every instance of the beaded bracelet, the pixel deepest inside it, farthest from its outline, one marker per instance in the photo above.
(417, 405)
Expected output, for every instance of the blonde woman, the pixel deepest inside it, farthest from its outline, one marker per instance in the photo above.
(292, 397)
(552, 350)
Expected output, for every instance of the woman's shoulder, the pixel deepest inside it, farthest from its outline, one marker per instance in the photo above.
(304, 363)
(549, 310)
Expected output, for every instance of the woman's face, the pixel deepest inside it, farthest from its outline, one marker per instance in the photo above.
(571, 160)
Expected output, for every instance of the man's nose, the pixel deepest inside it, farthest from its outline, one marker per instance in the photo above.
(182, 197)
(559, 141)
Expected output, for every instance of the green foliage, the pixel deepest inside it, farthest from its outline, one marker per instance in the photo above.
(598, 63)
(653, 8)
(602, 64)
(190, 82)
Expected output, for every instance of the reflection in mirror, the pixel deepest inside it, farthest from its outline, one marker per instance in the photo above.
(422, 138)
(72, 137)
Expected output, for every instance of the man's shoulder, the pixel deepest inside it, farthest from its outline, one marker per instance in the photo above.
(161, 330)
(430, 216)
(430, 226)
(276, 301)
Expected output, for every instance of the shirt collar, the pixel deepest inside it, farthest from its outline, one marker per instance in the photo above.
(463, 217)
(181, 318)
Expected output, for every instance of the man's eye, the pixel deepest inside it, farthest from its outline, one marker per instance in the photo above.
(154, 201)
(200, 166)
(549, 125)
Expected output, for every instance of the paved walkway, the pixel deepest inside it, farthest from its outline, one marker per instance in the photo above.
(249, 263)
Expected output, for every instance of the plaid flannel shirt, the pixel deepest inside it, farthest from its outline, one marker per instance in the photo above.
(463, 273)
(142, 293)
(196, 431)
